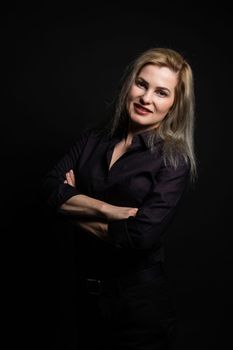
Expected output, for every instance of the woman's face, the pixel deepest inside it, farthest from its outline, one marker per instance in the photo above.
(151, 96)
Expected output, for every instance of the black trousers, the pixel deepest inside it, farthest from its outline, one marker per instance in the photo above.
(140, 316)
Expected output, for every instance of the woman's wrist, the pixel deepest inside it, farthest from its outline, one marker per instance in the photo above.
(104, 210)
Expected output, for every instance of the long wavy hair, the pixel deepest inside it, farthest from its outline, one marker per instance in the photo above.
(177, 128)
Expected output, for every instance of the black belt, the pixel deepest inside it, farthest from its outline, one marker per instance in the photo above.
(97, 286)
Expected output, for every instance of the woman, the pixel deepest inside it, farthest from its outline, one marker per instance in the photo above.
(120, 186)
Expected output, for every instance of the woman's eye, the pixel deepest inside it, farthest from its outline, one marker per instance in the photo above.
(161, 93)
(140, 83)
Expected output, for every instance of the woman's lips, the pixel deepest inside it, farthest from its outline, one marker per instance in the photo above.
(141, 110)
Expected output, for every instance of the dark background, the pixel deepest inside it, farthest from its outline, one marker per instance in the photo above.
(62, 65)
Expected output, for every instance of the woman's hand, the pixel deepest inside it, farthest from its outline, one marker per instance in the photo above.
(70, 178)
(113, 212)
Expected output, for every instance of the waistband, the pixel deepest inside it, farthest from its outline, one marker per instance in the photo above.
(96, 286)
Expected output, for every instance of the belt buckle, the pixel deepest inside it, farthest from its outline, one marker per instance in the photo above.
(94, 286)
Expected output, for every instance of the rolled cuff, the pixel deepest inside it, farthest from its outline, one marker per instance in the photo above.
(64, 192)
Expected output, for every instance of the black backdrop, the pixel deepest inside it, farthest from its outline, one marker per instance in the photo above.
(62, 67)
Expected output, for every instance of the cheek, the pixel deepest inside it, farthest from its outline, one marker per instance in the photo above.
(130, 100)
(134, 92)
(165, 106)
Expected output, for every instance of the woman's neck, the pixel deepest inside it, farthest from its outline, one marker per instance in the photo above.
(133, 130)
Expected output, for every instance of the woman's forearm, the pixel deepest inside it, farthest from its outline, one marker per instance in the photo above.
(85, 206)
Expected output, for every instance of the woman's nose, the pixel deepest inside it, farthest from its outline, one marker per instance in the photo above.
(146, 98)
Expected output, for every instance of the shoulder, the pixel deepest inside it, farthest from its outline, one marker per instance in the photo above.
(179, 168)
(88, 137)
(174, 157)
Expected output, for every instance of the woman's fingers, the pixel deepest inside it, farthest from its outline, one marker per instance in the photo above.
(133, 212)
(112, 212)
(70, 178)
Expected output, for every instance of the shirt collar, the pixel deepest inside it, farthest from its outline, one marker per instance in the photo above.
(139, 138)
(143, 138)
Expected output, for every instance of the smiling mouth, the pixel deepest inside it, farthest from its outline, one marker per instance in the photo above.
(141, 110)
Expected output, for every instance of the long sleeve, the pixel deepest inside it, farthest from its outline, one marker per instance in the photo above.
(144, 231)
(54, 189)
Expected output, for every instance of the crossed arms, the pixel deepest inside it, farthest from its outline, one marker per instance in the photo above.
(92, 214)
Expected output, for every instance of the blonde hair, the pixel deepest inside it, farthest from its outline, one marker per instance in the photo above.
(177, 128)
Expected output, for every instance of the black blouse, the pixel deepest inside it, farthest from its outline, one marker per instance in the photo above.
(139, 178)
